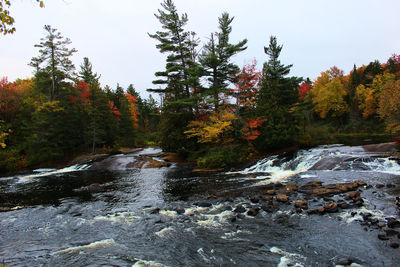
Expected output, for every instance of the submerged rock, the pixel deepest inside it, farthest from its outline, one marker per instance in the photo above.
(203, 204)
(394, 245)
(271, 192)
(392, 222)
(239, 209)
(316, 188)
(383, 236)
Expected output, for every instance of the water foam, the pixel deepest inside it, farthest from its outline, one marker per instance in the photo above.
(334, 157)
(288, 259)
(48, 172)
(144, 263)
(95, 245)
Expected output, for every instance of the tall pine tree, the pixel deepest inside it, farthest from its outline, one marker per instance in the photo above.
(179, 76)
(216, 60)
(277, 94)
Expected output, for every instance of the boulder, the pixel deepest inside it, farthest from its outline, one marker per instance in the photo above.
(204, 204)
(253, 212)
(390, 231)
(254, 199)
(302, 204)
(267, 198)
(394, 245)
(352, 195)
(383, 236)
(271, 192)
(282, 198)
(331, 207)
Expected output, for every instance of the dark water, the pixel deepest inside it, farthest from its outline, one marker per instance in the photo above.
(153, 217)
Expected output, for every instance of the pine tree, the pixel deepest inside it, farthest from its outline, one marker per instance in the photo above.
(216, 60)
(179, 77)
(277, 95)
(86, 73)
(55, 56)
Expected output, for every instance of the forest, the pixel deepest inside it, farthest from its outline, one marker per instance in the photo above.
(213, 113)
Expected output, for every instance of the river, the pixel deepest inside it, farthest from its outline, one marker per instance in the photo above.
(173, 216)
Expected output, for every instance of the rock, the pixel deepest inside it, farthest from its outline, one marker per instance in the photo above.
(302, 204)
(299, 210)
(180, 211)
(344, 205)
(268, 208)
(233, 219)
(321, 211)
(253, 212)
(381, 224)
(271, 192)
(353, 213)
(390, 231)
(282, 198)
(374, 221)
(316, 188)
(392, 222)
(383, 236)
(289, 188)
(239, 209)
(240, 216)
(394, 245)
(331, 207)
(390, 185)
(379, 185)
(204, 204)
(5, 209)
(254, 199)
(352, 195)
(155, 211)
(267, 198)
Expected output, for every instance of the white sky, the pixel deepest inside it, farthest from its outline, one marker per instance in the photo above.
(316, 34)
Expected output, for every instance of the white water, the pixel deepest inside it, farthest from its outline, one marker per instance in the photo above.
(46, 172)
(324, 158)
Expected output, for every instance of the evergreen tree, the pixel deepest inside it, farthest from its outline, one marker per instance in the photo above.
(178, 77)
(216, 60)
(277, 94)
(86, 73)
(55, 56)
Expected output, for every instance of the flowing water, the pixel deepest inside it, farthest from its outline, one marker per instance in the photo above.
(172, 216)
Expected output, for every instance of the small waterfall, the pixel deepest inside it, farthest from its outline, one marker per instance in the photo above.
(278, 168)
(48, 172)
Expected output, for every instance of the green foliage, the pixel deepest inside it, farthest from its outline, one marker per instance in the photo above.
(216, 60)
(276, 97)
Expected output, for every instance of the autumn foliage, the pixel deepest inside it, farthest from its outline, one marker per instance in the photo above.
(251, 130)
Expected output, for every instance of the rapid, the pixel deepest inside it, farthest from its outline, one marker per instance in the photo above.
(84, 215)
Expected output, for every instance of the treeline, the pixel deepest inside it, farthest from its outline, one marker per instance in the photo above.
(59, 113)
(215, 125)
(213, 112)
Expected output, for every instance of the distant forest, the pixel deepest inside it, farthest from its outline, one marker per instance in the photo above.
(213, 112)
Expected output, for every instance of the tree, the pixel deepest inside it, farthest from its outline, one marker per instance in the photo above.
(6, 20)
(389, 108)
(368, 96)
(216, 129)
(86, 73)
(178, 46)
(179, 76)
(304, 89)
(216, 60)
(277, 95)
(328, 94)
(247, 87)
(55, 56)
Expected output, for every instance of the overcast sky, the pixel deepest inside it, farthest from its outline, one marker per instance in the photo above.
(316, 34)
